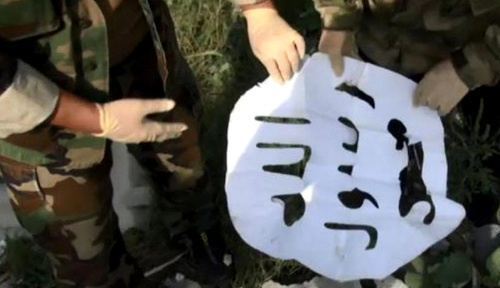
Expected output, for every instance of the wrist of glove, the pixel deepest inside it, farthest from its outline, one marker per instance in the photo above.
(126, 121)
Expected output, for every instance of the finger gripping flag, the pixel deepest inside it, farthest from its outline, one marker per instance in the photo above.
(342, 174)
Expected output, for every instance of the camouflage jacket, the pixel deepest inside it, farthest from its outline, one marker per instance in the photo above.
(413, 35)
(47, 45)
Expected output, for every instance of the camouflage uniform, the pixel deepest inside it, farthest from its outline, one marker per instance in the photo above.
(58, 180)
(412, 36)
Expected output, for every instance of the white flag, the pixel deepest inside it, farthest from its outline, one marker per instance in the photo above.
(343, 174)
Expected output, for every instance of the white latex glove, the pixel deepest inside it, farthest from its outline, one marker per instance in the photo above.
(441, 89)
(277, 45)
(125, 121)
(338, 44)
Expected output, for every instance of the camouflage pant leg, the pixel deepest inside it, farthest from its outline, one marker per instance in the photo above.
(176, 170)
(69, 213)
(175, 166)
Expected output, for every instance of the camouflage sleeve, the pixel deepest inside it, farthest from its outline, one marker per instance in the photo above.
(27, 98)
(478, 63)
(339, 14)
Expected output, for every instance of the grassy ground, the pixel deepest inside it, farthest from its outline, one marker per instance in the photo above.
(213, 39)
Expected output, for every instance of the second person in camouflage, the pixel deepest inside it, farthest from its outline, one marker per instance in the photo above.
(452, 46)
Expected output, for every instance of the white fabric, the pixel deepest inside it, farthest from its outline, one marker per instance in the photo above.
(311, 94)
(132, 189)
(29, 100)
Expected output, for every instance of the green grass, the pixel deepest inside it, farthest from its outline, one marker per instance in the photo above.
(470, 145)
(28, 264)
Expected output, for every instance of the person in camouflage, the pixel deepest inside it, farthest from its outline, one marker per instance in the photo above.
(74, 76)
(452, 46)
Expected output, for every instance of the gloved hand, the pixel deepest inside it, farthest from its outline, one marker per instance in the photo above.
(338, 44)
(275, 43)
(125, 121)
(441, 88)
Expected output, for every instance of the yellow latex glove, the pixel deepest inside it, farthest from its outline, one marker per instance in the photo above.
(125, 121)
(279, 47)
(338, 44)
(441, 89)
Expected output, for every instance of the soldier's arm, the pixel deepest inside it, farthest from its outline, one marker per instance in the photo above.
(478, 63)
(27, 99)
(86, 120)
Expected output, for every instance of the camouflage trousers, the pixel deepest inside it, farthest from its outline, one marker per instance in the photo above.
(68, 210)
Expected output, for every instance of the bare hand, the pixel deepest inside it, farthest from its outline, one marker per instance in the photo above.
(441, 89)
(279, 47)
